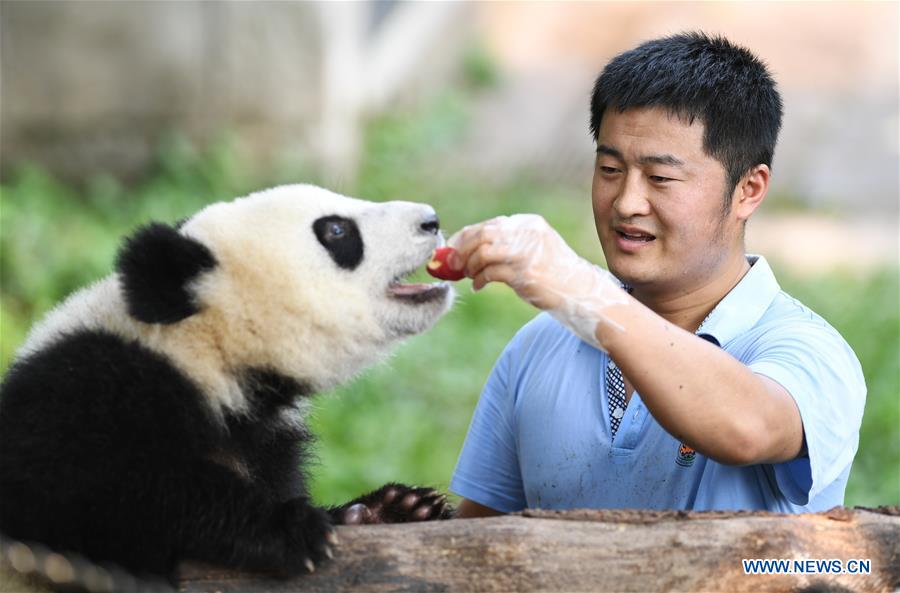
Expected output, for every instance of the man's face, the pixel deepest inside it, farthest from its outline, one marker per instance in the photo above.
(658, 203)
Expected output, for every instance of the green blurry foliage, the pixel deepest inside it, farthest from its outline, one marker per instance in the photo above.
(479, 68)
(406, 419)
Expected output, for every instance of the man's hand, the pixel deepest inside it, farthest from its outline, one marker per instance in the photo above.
(526, 253)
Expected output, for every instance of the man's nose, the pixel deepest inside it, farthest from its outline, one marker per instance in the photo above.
(633, 199)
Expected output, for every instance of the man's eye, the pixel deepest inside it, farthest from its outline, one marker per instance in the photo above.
(659, 179)
(608, 170)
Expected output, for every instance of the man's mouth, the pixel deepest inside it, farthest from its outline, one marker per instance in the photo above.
(636, 235)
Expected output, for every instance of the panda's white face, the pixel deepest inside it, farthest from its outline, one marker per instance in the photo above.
(309, 283)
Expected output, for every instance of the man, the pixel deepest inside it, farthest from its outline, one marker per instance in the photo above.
(688, 380)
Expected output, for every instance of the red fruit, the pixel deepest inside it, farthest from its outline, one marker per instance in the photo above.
(440, 268)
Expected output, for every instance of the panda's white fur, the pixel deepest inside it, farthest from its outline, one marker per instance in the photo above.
(276, 299)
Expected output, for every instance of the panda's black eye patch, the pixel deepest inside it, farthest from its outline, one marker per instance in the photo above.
(341, 237)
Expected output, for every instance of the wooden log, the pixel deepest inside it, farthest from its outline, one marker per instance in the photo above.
(594, 550)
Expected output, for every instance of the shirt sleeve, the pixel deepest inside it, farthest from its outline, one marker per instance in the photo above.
(820, 371)
(487, 471)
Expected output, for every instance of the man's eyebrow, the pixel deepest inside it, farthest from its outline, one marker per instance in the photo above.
(609, 150)
(661, 159)
(655, 159)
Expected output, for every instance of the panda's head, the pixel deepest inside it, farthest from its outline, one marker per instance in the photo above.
(296, 280)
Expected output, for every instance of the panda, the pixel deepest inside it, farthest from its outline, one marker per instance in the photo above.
(158, 415)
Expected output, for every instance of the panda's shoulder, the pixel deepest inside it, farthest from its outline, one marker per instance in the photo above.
(95, 375)
(81, 353)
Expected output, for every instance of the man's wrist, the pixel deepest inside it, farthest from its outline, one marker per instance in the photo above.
(586, 311)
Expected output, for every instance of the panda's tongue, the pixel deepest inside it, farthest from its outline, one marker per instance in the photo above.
(408, 289)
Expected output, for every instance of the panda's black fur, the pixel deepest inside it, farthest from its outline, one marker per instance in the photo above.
(109, 450)
(155, 266)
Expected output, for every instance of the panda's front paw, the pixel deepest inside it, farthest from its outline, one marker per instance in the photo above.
(394, 503)
(309, 536)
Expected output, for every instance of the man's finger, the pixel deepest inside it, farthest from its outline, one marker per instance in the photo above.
(485, 255)
(493, 273)
(464, 241)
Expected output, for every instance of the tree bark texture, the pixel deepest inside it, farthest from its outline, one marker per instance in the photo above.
(594, 550)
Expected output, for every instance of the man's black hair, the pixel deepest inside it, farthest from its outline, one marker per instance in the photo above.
(698, 77)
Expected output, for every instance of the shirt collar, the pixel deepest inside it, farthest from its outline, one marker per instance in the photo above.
(744, 305)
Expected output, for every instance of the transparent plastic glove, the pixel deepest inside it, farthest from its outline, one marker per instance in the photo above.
(526, 253)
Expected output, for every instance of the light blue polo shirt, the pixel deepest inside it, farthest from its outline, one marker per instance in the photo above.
(540, 435)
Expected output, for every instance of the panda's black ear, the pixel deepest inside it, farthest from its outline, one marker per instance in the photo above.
(155, 266)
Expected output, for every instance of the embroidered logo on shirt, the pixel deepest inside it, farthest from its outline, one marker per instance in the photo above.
(686, 456)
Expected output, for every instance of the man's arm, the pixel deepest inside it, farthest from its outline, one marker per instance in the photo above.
(469, 509)
(697, 392)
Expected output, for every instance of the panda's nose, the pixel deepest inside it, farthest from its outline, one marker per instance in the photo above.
(430, 224)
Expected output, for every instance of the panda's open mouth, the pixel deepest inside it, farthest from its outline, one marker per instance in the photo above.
(416, 293)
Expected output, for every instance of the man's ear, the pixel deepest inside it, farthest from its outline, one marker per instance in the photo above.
(155, 266)
(751, 191)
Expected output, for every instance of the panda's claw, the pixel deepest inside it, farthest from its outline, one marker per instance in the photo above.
(394, 503)
(305, 538)
(331, 537)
